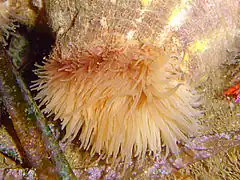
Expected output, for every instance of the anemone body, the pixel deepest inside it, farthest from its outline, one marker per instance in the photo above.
(120, 99)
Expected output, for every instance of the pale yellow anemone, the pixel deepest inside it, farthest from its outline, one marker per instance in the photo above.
(120, 98)
(6, 22)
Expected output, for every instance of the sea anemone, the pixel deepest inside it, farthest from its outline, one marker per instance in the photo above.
(13, 12)
(121, 98)
(6, 21)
